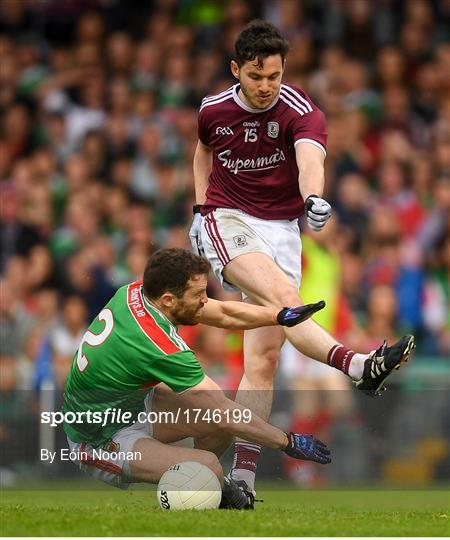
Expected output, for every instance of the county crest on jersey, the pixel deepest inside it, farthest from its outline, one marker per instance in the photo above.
(254, 166)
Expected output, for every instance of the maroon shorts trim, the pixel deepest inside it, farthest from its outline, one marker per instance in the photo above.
(216, 239)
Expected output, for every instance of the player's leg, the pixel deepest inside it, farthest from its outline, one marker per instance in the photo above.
(154, 458)
(133, 455)
(262, 258)
(258, 276)
(243, 249)
(255, 393)
(236, 243)
(263, 281)
(218, 444)
(157, 457)
(208, 439)
(141, 451)
(261, 355)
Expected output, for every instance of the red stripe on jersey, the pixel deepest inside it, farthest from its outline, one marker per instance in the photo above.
(145, 320)
(107, 466)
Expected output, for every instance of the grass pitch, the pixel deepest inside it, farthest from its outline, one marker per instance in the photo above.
(283, 513)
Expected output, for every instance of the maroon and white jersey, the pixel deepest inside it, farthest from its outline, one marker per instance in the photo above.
(254, 166)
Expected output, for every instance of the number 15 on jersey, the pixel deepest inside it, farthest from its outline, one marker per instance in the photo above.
(250, 135)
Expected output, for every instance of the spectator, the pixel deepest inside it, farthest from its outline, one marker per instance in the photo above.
(66, 335)
(16, 236)
(15, 322)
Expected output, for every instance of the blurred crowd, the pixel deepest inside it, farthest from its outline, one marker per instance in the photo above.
(99, 103)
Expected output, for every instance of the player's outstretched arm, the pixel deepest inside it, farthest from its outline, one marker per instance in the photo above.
(234, 419)
(242, 316)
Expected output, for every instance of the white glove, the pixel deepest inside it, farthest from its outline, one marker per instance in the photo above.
(195, 235)
(318, 212)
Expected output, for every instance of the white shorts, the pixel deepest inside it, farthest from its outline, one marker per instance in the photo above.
(228, 233)
(111, 467)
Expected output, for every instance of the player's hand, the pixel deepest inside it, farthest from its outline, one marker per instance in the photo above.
(308, 448)
(318, 212)
(292, 316)
(195, 235)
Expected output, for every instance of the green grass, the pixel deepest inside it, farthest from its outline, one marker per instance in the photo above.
(284, 513)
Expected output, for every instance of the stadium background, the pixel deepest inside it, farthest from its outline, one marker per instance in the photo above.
(99, 101)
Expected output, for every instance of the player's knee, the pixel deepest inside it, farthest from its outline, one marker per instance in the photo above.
(266, 371)
(211, 461)
(264, 366)
(288, 296)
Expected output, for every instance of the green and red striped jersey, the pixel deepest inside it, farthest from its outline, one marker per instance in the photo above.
(129, 348)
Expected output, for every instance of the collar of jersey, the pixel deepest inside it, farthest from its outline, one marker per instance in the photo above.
(241, 104)
(148, 305)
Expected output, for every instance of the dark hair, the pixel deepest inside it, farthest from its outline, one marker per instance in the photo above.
(170, 270)
(258, 40)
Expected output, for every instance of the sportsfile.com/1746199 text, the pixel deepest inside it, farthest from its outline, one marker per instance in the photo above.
(118, 416)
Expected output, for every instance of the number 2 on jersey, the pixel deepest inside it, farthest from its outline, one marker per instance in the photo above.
(94, 340)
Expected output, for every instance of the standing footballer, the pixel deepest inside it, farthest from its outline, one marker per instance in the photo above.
(258, 167)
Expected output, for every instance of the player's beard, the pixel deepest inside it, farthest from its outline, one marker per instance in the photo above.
(249, 98)
(186, 315)
(252, 101)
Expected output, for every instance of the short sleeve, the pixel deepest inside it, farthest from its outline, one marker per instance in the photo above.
(203, 128)
(311, 127)
(180, 371)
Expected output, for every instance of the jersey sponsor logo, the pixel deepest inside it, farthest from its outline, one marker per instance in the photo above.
(134, 301)
(251, 124)
(273, 128)
(258, 164)
(240, 240)
(224, 131)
